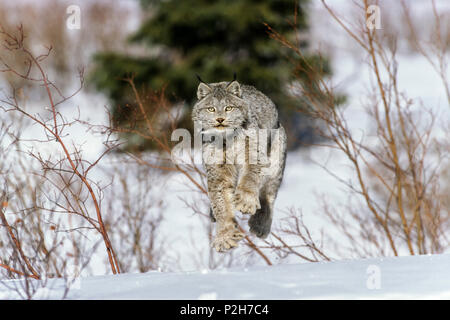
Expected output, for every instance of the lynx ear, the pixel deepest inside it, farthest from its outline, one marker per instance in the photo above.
(235, 88)
(202, 90)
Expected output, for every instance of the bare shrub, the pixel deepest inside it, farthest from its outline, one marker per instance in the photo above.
(52, 202)
(45, 22)
(136, 210)
(292, 238)
(395, 204)
(35, 246)
(63, 181)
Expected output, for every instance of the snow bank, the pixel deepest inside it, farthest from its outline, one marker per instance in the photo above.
(411, 277)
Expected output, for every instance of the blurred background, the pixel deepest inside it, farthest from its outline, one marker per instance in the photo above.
(165, 44)
(157, 219)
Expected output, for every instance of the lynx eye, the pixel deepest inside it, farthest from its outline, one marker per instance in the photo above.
(211, 109)
(229, 108)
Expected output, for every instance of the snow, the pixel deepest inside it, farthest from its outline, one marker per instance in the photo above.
(413, 277)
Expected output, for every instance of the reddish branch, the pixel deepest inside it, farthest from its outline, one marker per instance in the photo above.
(17, 246)
(15, 43)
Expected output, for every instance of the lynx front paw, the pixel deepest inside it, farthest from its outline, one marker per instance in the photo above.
(246, 201)
(227, 241)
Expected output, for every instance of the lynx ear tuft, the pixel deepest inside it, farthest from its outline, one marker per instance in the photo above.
(235, 88)
(203, 90)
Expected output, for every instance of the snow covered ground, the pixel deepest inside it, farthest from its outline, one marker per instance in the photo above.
(418, 277)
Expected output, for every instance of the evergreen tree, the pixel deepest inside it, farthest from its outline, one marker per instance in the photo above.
(213, 39)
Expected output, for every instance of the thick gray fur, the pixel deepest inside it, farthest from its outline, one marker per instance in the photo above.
(247, 187)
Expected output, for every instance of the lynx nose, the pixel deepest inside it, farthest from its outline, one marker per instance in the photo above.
(220, 120)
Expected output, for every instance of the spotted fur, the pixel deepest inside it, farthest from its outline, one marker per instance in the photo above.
(229, 111)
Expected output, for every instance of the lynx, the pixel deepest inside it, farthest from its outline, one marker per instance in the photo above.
(229, 110)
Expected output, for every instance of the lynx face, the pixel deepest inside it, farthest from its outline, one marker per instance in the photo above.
(220, 107)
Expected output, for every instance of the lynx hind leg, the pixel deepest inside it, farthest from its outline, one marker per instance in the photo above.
(261, 221)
